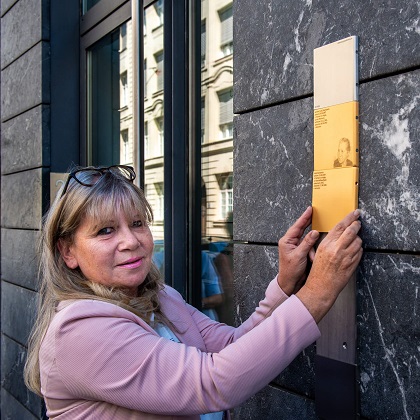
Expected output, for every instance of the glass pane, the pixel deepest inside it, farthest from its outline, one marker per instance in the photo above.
(110, 99)
(153, 122)
(217, 160)
(87, 4)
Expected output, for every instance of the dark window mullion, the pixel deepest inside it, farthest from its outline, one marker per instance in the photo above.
(196, 122)
(176, 162)
(167, 169)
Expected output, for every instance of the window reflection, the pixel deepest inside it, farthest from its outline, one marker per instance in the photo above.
(217, 159)
(110, 99)
(226, 30)
(154, 122)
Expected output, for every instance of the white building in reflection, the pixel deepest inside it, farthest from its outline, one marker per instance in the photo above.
(216, 113)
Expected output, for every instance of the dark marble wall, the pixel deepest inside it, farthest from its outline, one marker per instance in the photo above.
(273, 163)
(273, 43)
(25, 97)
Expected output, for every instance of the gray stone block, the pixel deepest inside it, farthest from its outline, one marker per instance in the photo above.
(279, 37)
(11, 408)
(25, 141)
(26, 24)
(389, 331)
(255, 266)
(21, 200)
(273, 164)
(273, 403)
(389, 192)
(18, 310)
(13, 358)
(6, 5)
(19, 257)
(25, 83)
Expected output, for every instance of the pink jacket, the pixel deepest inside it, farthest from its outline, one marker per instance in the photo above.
(99, 361)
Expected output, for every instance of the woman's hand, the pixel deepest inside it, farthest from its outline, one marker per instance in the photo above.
(337, 257)
(294, 252)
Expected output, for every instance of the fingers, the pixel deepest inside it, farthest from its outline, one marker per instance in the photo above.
(341, 226)
(311, 254)
(308, 243)
(296, 230)
(354, 247)
(350, 234)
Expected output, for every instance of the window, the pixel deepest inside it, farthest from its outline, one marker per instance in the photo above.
(216, 168)
(226, 131)
(146, 140)
(203, 120)
(123, 37)
(174, 142)
(146, 79)
(159, 201)
(158, 5)
(159, 70)
(226, 38)
(123, 90)
(225, 114)
(109, 109)
(160, 135)
(153, 120)
(226, 194)
(203, 43)
(126, 148)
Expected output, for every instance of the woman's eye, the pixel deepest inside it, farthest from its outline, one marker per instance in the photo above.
(105, 231)
(137, 223)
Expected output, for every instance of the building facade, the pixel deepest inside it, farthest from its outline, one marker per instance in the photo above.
(211, 102)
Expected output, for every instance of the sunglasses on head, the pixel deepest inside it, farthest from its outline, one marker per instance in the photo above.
(90, 175)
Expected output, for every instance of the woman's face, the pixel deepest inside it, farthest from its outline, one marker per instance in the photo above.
(118, 252)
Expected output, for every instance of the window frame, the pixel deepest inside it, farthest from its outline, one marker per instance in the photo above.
(93, 29)
(182, 127)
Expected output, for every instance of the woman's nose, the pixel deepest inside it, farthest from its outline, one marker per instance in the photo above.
(128, 239)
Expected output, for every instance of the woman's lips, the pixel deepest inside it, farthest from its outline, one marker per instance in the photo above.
(132, 263)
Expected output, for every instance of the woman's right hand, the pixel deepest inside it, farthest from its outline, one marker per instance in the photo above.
(336, 259)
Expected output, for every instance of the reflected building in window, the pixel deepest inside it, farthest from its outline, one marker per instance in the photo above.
(217, 119)
(153, 33)
(216, 115)
(126, 94)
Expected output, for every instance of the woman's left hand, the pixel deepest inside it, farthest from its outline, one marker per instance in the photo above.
(294, 250)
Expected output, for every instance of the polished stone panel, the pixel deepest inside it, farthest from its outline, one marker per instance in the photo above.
(22, 210)
(25, 83)
(25, 141)
(6, 5)
(22, 27)
(19, 257)
(13, 358)
(274, 43)
(18, 309)
(273, 403)
(255, 266)
(273, 163)
(389, 331)
(13, 409)
(389, 192)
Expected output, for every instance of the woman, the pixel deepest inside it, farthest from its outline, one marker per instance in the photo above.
(112, 341)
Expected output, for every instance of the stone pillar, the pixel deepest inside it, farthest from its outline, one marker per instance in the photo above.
(273, 160)
(24, 157)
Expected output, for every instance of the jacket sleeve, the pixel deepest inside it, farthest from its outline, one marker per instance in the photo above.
(217, 336)
(104, 356)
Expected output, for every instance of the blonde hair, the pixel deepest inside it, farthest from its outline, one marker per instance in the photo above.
(58, 282)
